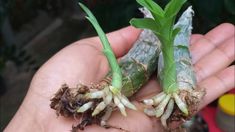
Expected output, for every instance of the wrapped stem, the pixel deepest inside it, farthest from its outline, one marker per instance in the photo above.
(175, 69)
(162, 23)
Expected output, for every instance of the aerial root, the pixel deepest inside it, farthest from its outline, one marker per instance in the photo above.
(95, 105)
(85, 107)
(109, 98)
(106, 116)
(182, 105)
(163, 105)
(167, 113)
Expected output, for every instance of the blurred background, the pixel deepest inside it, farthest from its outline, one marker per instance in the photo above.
(31, 31)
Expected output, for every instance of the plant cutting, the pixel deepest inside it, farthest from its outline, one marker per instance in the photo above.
(175, 69)
(96, 102)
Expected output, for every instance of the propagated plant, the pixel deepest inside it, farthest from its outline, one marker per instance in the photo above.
(96, 102)
(175, 69)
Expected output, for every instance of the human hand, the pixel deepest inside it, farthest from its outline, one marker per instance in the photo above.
(83, 62)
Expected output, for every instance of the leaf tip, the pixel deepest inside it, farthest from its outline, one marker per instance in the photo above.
(81, 5)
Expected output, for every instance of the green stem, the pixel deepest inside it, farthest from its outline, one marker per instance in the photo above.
(162, 25)
(116, 71)
(169, 82)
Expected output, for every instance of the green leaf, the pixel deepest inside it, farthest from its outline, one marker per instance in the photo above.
(96, 25)
(88, 12)
(107, 50)
(173, 7)
(163, 26)
(167, 27)
(145, 23)
(152, 6)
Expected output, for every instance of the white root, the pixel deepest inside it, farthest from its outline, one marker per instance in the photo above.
(101, 106)
(182, 106)
(160, 102)
(167, 113)
(120, 106)
(108, 98)
(95, 95)
(108, 94)
(155, 100)
(158, 98)
(85, 107)
(126, 102)
(161, 107)
(148, 101)
(150, 111)
(106, 116)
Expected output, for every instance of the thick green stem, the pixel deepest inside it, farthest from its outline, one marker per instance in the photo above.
(169, 82)
(161, 22)
(116, 71)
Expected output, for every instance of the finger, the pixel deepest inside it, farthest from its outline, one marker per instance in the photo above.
(220, 33)
(218, 85)
(121, 40)
(211, 40)
(217, 60)
(194, 38)
(132, 124)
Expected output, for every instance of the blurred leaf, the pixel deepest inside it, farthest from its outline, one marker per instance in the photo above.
(173, 7)
(152, 6)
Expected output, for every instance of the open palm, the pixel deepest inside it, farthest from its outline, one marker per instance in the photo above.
(83, 62)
